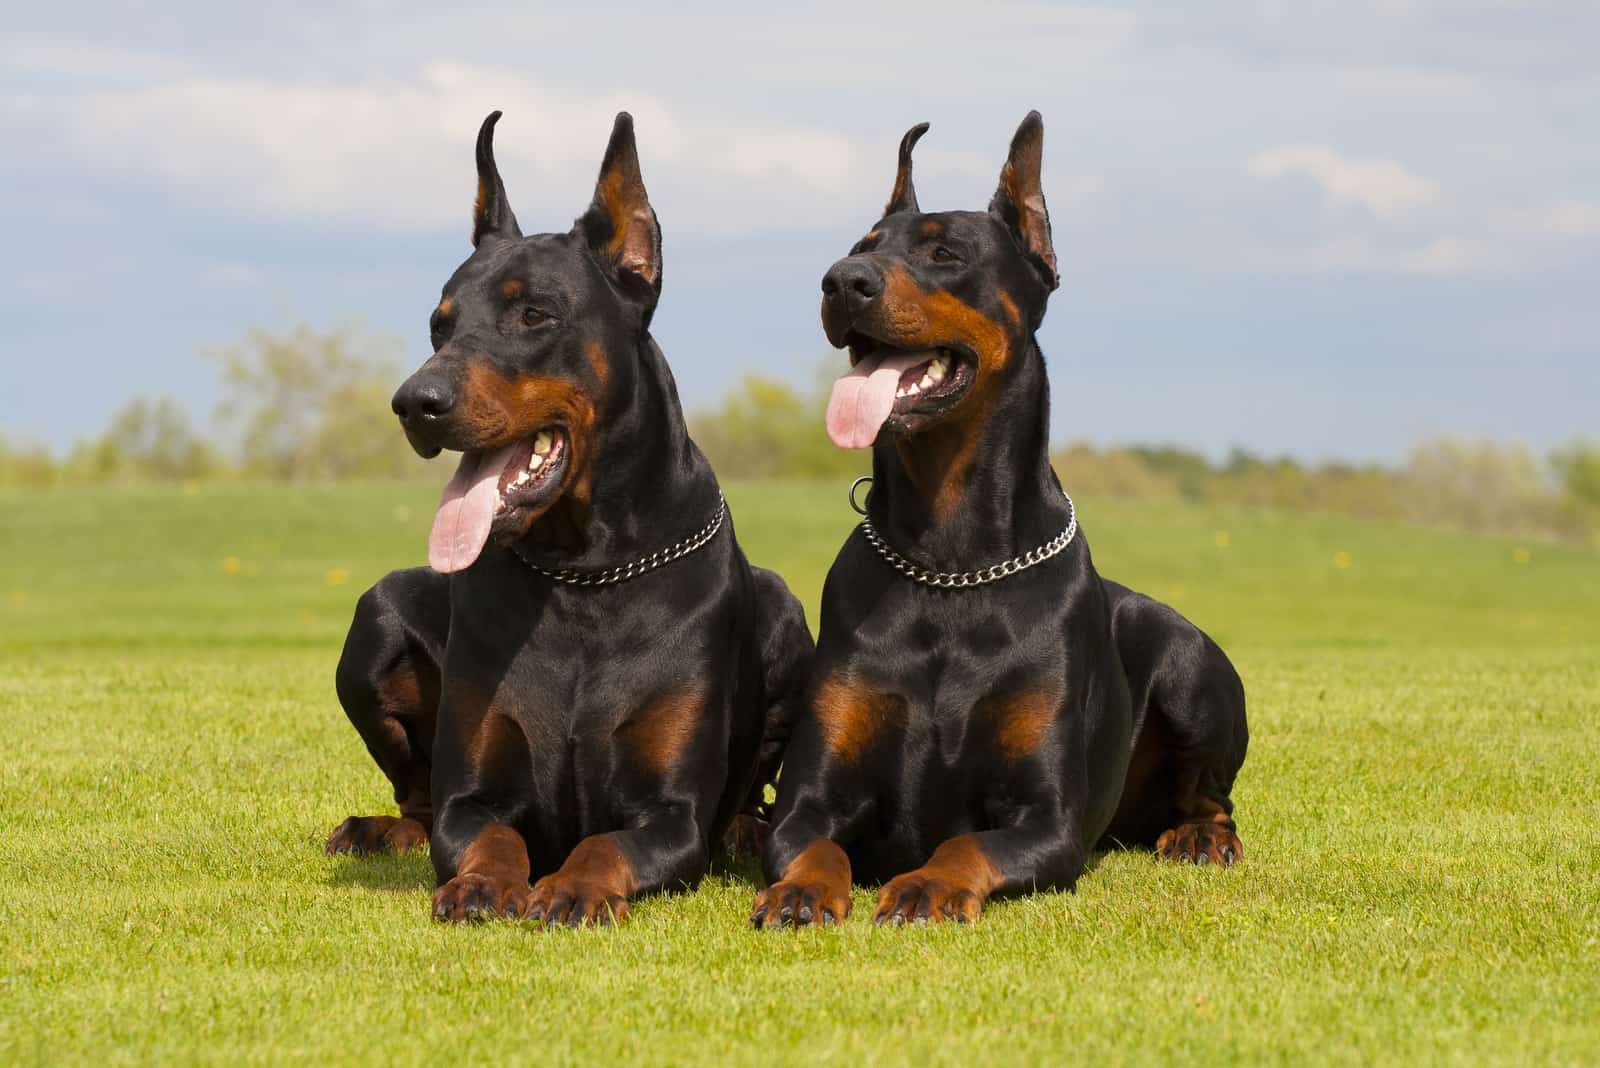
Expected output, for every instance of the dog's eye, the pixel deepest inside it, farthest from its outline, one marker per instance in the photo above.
(533, 316)
(943, 255)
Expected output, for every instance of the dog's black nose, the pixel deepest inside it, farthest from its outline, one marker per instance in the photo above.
(853, 282)
(423, 399)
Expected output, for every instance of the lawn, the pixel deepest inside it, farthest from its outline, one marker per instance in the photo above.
(1420, 811)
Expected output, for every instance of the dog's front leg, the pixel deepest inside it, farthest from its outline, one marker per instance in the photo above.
(961, 875)
(666, 850)
(490, 880)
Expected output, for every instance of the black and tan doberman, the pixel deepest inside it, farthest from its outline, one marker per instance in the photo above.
(983, 708)
(586, 689)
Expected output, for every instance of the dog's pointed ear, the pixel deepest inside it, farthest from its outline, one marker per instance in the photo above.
(903, 197)
(620, 226)
(491, 214)
(1019, 201)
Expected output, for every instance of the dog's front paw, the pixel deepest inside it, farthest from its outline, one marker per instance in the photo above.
(918, 897)
(1201, 843)
(480, 897)
(575, 901)
(361, 835)
(800, 903)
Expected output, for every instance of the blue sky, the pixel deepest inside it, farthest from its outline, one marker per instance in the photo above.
(1327, 229)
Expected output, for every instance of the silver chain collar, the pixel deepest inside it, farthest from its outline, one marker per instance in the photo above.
(642, 566)
(955, 580)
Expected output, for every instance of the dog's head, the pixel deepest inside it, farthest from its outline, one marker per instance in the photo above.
(937, 308)
(530, 337)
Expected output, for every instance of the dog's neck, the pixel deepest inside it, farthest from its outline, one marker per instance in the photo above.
(645, 485)
(978, 489)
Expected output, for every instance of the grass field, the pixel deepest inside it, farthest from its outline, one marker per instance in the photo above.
(1420, 810)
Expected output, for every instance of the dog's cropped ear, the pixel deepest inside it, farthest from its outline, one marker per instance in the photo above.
(491, 214)
(903, 197)
(1019, 201)
(620, 226)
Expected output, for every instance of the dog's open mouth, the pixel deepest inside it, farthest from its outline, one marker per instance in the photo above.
(490, 489)
(898, 387)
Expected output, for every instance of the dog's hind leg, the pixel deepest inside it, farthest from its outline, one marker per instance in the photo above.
(786, 650)
(1190, 709)
(388, 683)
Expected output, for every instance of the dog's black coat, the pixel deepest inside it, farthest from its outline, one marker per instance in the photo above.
(597, 740)
(961, 743)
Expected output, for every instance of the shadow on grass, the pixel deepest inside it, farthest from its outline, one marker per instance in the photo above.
(386, 871)
(740, 867)
(413, 871)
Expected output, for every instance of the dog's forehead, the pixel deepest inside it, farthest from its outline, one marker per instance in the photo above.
(540, 260)
(913, 227)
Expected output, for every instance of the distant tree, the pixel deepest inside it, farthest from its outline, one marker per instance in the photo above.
(359, 437)
(765, 428)
(1578, 467)
(25, 463)
(146, 439)
(1477, 484)
(1088, 471)
(313, 404)
(1188, 469)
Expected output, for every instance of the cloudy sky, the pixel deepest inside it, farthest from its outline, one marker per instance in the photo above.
(1322, 228)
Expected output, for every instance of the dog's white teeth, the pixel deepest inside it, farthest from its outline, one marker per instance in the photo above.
(937, 371)
(534, 463)
(926, 383)
(542, 443)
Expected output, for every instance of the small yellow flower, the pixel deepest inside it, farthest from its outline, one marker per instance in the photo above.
(232, 565)
(1521, 554)
(337, 577)
(191, 488)
(17, 598)
(1341, 560)
(1223, 539)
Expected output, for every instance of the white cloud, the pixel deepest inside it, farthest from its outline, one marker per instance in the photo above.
(1561, 219)
(397, 153)
(1440, 257)
(80, 60)
(1383, 187)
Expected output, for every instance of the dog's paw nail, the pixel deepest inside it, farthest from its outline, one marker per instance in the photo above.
(805, 914)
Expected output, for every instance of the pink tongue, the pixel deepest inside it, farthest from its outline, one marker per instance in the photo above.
(466, 510)
(863, 399)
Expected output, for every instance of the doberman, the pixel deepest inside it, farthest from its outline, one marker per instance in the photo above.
(983, 708)
(588, 685)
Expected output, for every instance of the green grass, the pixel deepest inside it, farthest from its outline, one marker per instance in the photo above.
(1420, 810)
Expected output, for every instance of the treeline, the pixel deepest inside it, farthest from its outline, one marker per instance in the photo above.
(298, 404)
(1474, 485)
(303, 404)
(765, 429)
